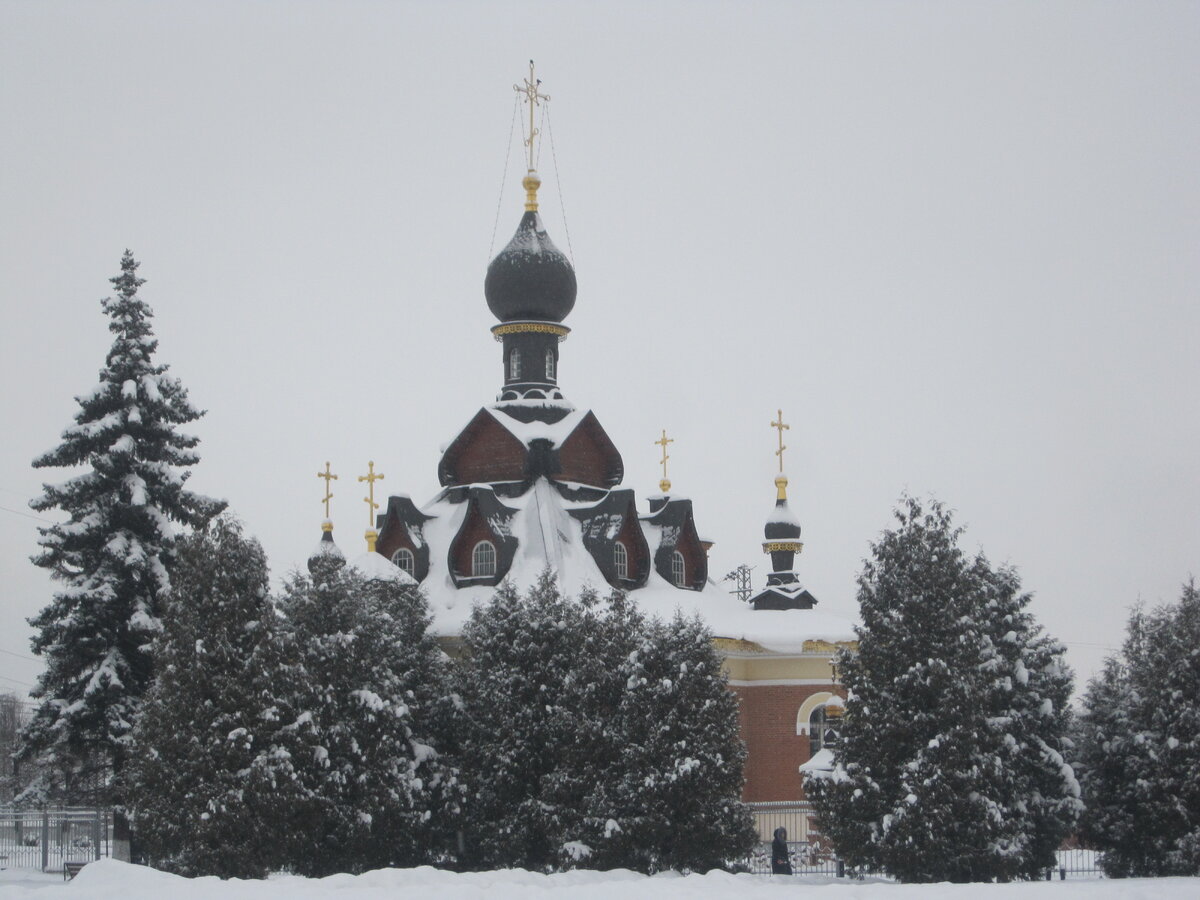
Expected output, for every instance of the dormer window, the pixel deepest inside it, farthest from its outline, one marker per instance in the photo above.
(678, 569)
(549, 365)
(404, 559)
(514, 363)
(483, 560)
(620, 560)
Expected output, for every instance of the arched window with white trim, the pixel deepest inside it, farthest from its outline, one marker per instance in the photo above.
(823, 731)
(514, 363)
(678, 569)
(621, 560)
(549, 364)
(404, 559)
(483, 559)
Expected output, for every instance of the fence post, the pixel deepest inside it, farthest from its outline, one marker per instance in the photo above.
(45, 840)
(96, 834)
(841, 869)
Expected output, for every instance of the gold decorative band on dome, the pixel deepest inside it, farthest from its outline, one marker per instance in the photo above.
(531, 328)
(776, 546)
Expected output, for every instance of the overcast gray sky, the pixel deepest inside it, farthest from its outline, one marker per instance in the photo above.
(957, 243)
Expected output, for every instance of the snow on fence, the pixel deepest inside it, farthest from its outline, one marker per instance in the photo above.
(47, 839)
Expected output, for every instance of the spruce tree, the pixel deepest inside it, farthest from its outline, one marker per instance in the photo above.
(672, 797)
(1140, 746)
(370, 710)
(112, 554)
(209, 793)
(951, 762)
(597, 738)
(536, 705)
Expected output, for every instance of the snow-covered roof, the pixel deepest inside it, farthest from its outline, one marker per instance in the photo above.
(373, 565)
(527, 432)
(547, 533)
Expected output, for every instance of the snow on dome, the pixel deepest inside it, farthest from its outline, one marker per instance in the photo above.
(373, 565)
(327, 549)
(782, 515)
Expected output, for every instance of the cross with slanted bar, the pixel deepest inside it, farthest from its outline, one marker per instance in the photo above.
(530, 90)
(780, 426)
(370, 478)
(328, 476)
(665, 484)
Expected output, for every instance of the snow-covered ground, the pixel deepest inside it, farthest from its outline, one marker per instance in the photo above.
(108, 880)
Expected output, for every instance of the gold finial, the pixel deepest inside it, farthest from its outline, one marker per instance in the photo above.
(665, 484)
(328, 476)
(370, 478)
(531, 183)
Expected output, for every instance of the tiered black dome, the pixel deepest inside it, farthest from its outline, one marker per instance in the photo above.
(531, 279)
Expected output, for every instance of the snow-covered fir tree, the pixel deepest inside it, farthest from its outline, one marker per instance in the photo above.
(112, 554)
(209, 793)
(1139, 754)
(672, 797)
(596, 738)
(536, 707)
(370, 717)
(951, 762)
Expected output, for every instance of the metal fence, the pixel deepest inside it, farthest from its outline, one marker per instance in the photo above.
(47, 839)
(812, 854)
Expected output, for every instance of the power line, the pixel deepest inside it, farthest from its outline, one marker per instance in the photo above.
(18, 655)
(17, 512)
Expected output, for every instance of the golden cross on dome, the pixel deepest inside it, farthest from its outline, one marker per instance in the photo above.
(781, 427)
(370, 478)
(328, 476)
(665, 484)
(530, 90)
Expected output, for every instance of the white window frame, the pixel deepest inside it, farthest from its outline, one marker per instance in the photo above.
(409, 557)
(483, 560)
(621, 560)
(514, 363)
(678, 569)
(550, 373)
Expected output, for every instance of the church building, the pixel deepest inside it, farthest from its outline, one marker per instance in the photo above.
(533, 480)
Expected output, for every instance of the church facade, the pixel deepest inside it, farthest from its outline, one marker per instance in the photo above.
(532, 481)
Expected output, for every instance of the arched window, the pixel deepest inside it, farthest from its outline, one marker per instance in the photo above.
(549, 365)
(822, 731)
(483, 559)
(404, 559)
(621, 560)
(678, 569)
(514, 363)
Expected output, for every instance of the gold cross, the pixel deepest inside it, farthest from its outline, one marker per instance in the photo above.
(370, 478)
(328, 476)
(781, 427)
(665, 484)
(530, 90)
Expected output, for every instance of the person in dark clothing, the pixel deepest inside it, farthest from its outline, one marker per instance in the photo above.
(781, 863)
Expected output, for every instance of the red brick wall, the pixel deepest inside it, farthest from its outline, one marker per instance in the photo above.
(489, 454)
(474, 530)
(582, 459)
(774, 750)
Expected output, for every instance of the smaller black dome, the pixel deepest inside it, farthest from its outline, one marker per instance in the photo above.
(782, 524)
(530, 278)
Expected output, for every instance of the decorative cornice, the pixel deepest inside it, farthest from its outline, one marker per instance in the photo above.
(776, 546)
(561, 331)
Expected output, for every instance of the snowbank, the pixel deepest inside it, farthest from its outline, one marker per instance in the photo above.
(108, 880)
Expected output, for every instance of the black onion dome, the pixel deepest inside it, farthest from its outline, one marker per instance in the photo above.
(782, 524)
(530, 278)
